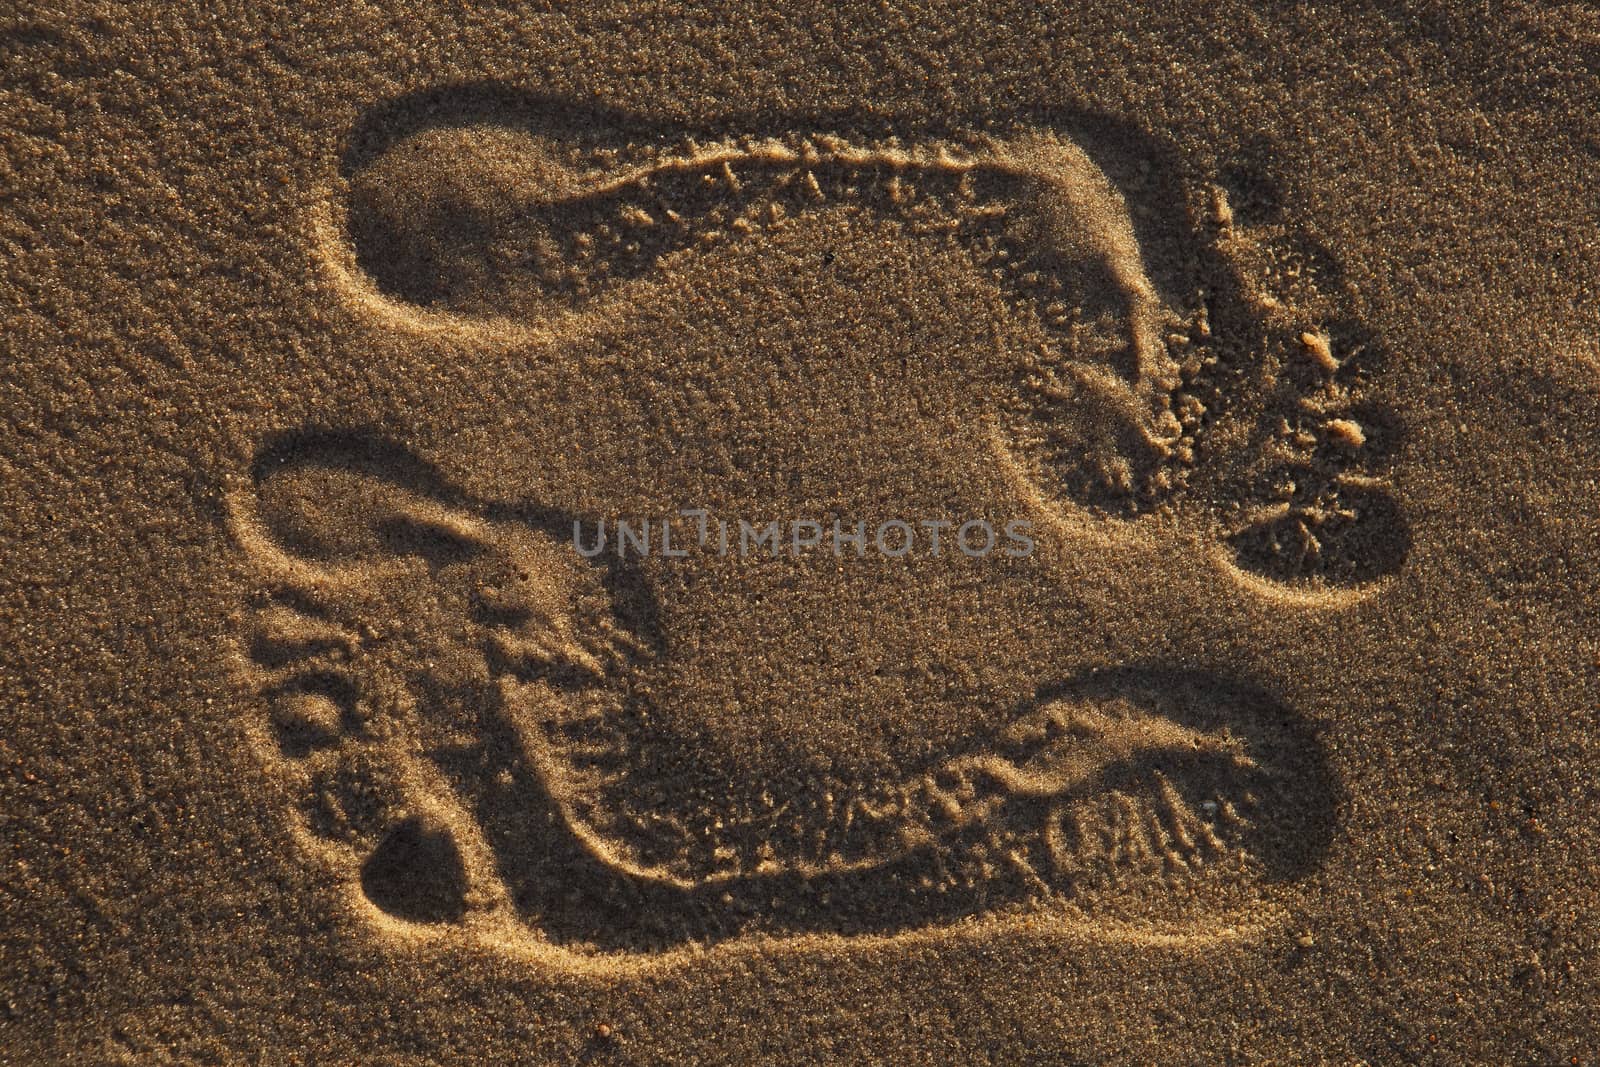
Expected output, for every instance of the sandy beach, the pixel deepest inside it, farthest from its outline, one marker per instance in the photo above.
(794, 533)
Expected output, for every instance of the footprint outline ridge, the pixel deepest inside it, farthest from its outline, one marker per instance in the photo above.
(1118, 413)
(393, 785)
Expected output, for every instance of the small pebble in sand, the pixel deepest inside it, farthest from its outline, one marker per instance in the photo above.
(1347, 432)
(1221, 210)
(1320, 348)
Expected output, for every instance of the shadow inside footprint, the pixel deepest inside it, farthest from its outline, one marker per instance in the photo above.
(330, 497)
(416, 873)
(1199, 787)
(1342, 536)
(1287, 781)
